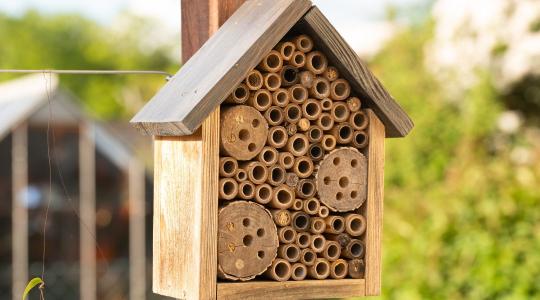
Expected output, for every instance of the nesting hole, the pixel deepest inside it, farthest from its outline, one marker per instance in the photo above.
(307, 189)
(299, 144)
(340, 111)
(292, 252)
(303, 167)
(354, 163)
(254, 79)
(339, 196)
(247, 240)
(337, 224)
(359, 120)
(312, 205)
(318, 62)
(356, 224)
(273, 60)
(241, 175)
(281, 269)
(354, 194)
(303, 240)
(290, 75)
(326, 104)
(318, 225)
(283, 196)
(309, 257)
(278, 136)
(258, 172)
(288, 234)
(299, 93)
(278, 175)
(299, 272)
(339, 269)
(228, 188)
(340, 88)
(321, 87)
(287, 50)
(260, 254)
(264, 193)
(275, 115)
(263, 99)
(360, 138)
(247, 189)
(343, 182)
(240, 92)
(252, 147)
(315, 133)
(336, 161)
(345, 132)
(316, 152)
(301, 221)
(299, 59)
(318, 242)
(269, 156)
(357, 249)
(229, 167)
(246, 222)
(260, 232)
(326, 180)
(273, 81)
(326, 121)
(244, 135)
(281, 97)
(333, 250)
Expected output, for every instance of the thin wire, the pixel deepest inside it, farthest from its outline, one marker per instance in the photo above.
(89, 72)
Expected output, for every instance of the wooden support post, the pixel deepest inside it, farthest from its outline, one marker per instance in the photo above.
(87, 207)
(137, 228)
(19, 215)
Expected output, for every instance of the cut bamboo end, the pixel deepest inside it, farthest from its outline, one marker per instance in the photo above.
(286, 235)
(282, 217)
(317, 225)
(298, 271)
(320, 88)
(286, 49)
(325, 121)
(273, 62)
(292, 129)
(300, 221)
(359, 120)
(289, 252)
(354, 104)
(298, 204)
(343, 133)
(298, 95)
(343, 239)
(303, 43)
(308, 257)
(355, 224)
(314, 134)
(228, 189)
(280, 97)
(315, 152)
(303, 167)
(261, 99)
(256, 171)
(311, 109)
(326, 104)
(331, 73)
(335, 224)
(280, 270)
(303, 239)
(268, 156)
(328, 142)
(289, 75)
(340, 90)
(276, 175)
(254, 80)
(272, 81)
(246, 190)
(298, 59)
(303, 124)
(324, 211)
(239, 96)
(243, 132)
(354, 249)
(317, 243)
(306, 79)
(227, 166)
(356, 268)
(319, 270)
(340, 112)
(298, 145)
(283, 197)
(292, 180)
(339, 269)
(286, 160)
(316, 62)
(360, 139)
(306, 189)
(331, 251)
(277, 137)
(311, 206)
(263, 193)
(241, 175)
(293, 113)
(247, 240)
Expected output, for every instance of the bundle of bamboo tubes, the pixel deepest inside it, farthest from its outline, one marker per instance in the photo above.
(291, 114)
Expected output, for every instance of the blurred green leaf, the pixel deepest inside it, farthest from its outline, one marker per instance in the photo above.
(31, 284)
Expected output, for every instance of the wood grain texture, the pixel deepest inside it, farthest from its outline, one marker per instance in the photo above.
(305, 289)
(374, 205)
(180, 107)
(352, 68)
(198, 22)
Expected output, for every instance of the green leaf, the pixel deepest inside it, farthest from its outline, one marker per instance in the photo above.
(31, 284)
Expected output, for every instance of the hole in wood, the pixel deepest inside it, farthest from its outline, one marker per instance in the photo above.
(260, 254)
(336, 161)
(354, 163)
(354, 194)
(326, 180)
(243, 135)
(247, 240)
(260, 232)
(252, 147)
(246, 222)
(255, 123)
(339, 196)
(343, 182)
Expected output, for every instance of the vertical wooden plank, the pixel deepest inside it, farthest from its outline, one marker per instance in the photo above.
(199, 20)
(19, 214)
(137, 228)
(87, 207)
(374, 205)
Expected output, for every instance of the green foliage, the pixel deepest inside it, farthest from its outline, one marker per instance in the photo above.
(31, 284)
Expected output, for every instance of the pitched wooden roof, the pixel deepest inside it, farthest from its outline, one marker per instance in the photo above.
(181, 106)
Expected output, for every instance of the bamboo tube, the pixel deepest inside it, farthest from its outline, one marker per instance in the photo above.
(339, 269)
(358, 120)
(303, 124)
(241, 175)
(311, 206)
(272, 81)
(354, 249)
(239, 96)
(298, 204)
(316, 62)
(331, 73)
(324, 211)
(268, 156)
(286, 49)
(331, 251)
(254, 80)
(289, 75)
(282, 217)
(355, 224)
(303, 167)
(246, 190)
(292, 180)
(300, 221)
(276, 175)
(273, 62)
(326, 104)
(293, 113)
(320, 88)
(280, 97)
(360, 139)
(298, 272)
(283, 197)
(314, 134)
(317, 243)
(320, 270)
(280, 270)
(298, 144)
(227, 166)
(342, 239)
(311, 109)
(303, 239)
(343, 133)
(228, 188)
(328, 142)
(286, 235)
(261, 100)
(334, 224)
(303, 43)
(290, 252)
(308, 257)
(292, 129)
(298, 59)
(317, 225)
(306, 189)
(354, 104)
(340, 90)
(286, 160)
(340, 112)
(356, 268)
(306, 79)
(277, 137)
(298, 94)
(263, 193)
(315, 152)
(256, 171)
(325, 121)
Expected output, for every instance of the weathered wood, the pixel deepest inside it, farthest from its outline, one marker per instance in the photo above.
(352, 68)
(184, 102)
(374, 205)
(306, 289)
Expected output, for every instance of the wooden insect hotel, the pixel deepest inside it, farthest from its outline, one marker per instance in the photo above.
(269, 153)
